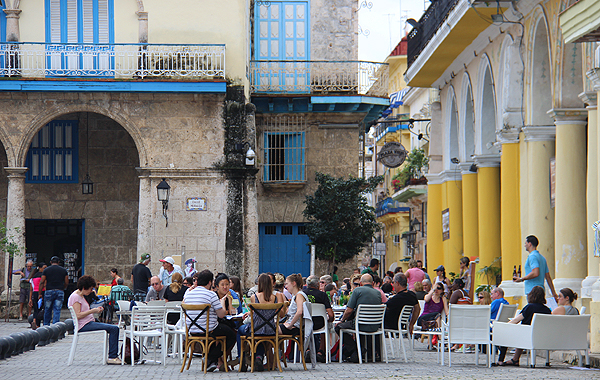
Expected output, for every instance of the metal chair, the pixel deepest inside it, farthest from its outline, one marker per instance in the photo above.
(76, 334)
(367, 315)
(403, 322)
(146, 322)
(204, 339)
(264, 322)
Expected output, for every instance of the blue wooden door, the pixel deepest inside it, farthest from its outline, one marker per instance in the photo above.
(283, 248)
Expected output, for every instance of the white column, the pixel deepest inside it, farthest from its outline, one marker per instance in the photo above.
(15, 216)
(144, 240)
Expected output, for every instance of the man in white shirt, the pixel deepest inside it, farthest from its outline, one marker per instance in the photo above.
(168, 268)
(202, 294)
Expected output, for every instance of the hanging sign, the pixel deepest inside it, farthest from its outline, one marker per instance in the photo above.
(392, 154)
(446, 224)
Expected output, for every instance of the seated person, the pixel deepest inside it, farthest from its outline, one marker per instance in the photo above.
(419, 292)
(120, 292)
(497, 300)
(459, 296)
(395, 304)
(157, 292)
(435, 303)
(565, 298)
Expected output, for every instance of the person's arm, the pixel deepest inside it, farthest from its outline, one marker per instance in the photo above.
(43, 283)
(330, 314)
(516, 319)
(221, 312)
(454, 297)
(298, 315)
(347, 313)
(533, 274)
(559, 311)
(131, 278)
(66, 282)
(551, 285)
(428, 296)
(415, 315)
(30, 294)
(80, 314)
(445, 301)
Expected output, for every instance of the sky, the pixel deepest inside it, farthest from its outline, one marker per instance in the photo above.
(382, 23)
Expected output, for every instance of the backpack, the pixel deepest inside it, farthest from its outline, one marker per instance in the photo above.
(464, 300)
(136, 351)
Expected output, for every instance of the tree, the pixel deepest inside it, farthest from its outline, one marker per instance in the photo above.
(341, 221)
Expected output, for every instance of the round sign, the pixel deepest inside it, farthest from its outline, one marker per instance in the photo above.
(392, 154)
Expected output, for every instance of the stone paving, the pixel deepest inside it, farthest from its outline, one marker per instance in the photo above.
(50, 362)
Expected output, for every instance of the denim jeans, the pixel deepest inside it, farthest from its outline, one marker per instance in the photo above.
(113, 336)
(53, 300)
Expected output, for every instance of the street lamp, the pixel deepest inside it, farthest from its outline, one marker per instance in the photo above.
(87, 186)
(415, 225)
(163, 189)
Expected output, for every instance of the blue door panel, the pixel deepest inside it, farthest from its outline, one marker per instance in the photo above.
(285, 254)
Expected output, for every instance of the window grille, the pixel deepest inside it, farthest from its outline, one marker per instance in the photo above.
(301, 230)
(270, 230)
(283, 143)
(53, 154)
(286, 230)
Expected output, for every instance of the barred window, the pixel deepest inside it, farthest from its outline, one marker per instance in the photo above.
(283, 143)
(53, 155)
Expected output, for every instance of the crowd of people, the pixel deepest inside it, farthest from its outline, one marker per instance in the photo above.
(224, 294)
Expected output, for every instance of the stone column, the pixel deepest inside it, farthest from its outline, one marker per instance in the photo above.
(593, 262)
(145, 211)
(469, 211)
(452, 200)
(12, 24)
(570, 231)
(435, 246)
(510, 211)
(143, 27)
(540, 213)
(488, 200)
(15, 216)
(251, 234)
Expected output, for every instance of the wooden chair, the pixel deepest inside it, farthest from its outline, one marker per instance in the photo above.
(298, 339)
(264, 319)
(204, 339)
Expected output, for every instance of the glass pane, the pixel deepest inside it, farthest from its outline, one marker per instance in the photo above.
(58, 136)
(35, 143)
(68, 165)
(264, 11)
(264, 48)
(45, 164)
(264, 29)
(275, 11)
(300, 11)
(68, 136)
(300, 49)
(289, 29)
(289, 11)
(300, 29)
(58, 165)
(35, 165)
(46, 137)
(289, 49)
(274, 29)
(275, 48)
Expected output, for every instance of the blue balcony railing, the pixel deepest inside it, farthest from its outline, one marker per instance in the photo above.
(320, 77)
(429, 23)
(119, 61)
(388, 206)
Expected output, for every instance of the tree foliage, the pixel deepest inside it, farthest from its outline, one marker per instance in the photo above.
(341, 220)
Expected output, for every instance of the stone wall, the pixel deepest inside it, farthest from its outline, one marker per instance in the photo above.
(334, 30)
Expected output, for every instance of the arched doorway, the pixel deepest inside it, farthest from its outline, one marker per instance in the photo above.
(488, 113)
(95, 232)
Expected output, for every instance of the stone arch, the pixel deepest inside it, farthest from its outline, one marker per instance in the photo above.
(467, 117)
(540, 73)
(8, 148)
(52, 113)
(452, 127)
(510, 84)
(485, 119)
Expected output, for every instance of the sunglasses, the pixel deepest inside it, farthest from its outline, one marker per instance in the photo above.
(155, 283)
(480, 297)
(440, 288)
(356, 284)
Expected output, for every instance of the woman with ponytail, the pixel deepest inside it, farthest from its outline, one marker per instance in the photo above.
(565, 298)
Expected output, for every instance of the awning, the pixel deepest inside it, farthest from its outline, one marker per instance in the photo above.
(396, 100)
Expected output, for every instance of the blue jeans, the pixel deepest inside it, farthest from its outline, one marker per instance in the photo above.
(53, 300)
(113, 336)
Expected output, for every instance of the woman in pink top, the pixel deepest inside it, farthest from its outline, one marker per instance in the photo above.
(85, 316)
(414, 274)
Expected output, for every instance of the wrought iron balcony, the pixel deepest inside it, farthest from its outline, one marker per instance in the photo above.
(119, 61)
(320, 77)
(429, 23)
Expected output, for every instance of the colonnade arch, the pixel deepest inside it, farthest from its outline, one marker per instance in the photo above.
(468, 121)
(487, 109)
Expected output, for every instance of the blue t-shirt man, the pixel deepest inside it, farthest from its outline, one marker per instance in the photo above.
(536, 268)
(495, 307)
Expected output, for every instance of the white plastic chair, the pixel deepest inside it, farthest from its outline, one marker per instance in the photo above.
(318, 310)
(146, 322)
(367, 315)
(76, 334)
(403, 320)
(123, 311)
(469, 324)
(506, 313)
(582, 311)
(177, 331)
(156, 303)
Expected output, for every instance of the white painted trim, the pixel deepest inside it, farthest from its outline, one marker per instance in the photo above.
(487, 160)
(539, 133)
(413, 94)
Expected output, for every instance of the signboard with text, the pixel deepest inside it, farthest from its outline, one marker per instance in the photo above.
(195, 204)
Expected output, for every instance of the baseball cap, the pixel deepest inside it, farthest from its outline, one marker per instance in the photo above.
(441, 267)
(144, 257)
(168, 259)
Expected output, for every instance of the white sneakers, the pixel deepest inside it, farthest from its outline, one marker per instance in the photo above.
(114, 361)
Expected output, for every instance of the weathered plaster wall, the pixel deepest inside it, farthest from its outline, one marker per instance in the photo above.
(334, 30)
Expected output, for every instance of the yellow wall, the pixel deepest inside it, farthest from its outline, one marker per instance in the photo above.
(488, 184)
(470, 216)
(453, 247)
(510, 210)
(435, 246)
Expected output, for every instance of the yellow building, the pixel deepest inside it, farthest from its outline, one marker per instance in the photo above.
(514, 137)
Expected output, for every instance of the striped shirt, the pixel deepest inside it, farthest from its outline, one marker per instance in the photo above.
(197, 296)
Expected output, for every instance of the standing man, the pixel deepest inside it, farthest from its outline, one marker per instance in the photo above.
(372, 269)
(395, 304)
(497, 300)
(362, 295)
(536, 268)
(140, 277)
(55, 279)
(168, 268)
(24, 287)
(202, 294)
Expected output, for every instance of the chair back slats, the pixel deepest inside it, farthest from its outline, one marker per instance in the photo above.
(193, 320)
(370, 315)
(404, 318)
(147, 317)
(506, 312)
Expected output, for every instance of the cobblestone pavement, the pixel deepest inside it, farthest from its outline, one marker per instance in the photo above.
(50, 362)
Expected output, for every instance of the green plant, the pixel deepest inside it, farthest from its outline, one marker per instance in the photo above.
(480, 288)
(7, 240)
(413, 166)
(491, 272)
(452, 276)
